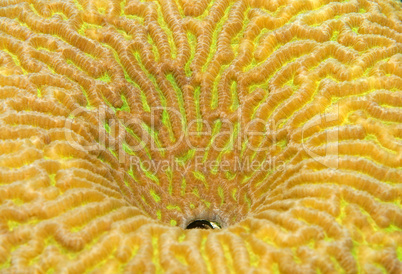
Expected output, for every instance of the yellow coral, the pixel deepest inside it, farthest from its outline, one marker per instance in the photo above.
(123, 121)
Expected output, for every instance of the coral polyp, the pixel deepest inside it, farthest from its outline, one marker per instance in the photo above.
(200, 136)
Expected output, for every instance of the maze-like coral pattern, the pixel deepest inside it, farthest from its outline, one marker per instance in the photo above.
(121, 121)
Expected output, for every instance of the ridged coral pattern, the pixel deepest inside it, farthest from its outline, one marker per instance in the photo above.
(122, 121)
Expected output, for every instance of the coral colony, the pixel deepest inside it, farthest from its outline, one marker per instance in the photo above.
(208, 136)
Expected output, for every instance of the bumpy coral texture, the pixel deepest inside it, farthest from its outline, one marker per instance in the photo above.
(122, 121)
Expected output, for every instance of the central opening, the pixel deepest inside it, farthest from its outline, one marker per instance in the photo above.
(203, 224)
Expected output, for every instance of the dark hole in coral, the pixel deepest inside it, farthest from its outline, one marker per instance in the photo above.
(203, 224)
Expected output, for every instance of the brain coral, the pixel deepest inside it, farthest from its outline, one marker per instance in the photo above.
(276, 121)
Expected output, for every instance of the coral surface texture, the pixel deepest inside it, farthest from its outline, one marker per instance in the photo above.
(201, 136)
